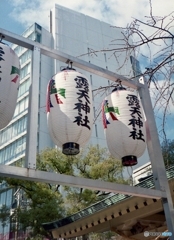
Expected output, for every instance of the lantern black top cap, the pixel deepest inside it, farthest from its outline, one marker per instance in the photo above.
(69, 67)
(118, 88)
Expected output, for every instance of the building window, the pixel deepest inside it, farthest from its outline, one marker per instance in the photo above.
(21, 106)
(13, 150)
(38, 37)
(25, 56)
(13, 130)
(38, 26)
(24, 87)
(25, 71)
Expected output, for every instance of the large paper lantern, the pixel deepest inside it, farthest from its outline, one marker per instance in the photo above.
(124, 126)
(69, 110)
(9, 83)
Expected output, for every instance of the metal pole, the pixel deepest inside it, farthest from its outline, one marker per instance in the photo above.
(155, 153)
(63, 57)
(31, 142)
(153, 144)
(67, 180)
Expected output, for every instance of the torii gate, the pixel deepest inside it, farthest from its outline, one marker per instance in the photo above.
(161, 190)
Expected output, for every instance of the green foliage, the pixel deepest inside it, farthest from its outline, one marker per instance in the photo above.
(43, 205)
(92, 163)
(53, 160)
(4, 215)
(49, 202)
(96, 163)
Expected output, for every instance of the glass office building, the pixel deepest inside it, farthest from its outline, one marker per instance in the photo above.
(75, 34)
(13, 137)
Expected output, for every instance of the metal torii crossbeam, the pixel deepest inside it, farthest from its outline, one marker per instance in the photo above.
(30, 173)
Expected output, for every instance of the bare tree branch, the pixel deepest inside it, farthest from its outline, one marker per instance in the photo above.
(153, 42)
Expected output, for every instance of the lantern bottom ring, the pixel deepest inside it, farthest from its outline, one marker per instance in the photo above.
(129, 160)
(70, 148)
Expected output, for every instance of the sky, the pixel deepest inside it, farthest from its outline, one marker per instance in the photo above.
(17, 15)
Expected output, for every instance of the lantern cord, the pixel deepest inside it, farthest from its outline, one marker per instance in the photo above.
(71, 63)
(69, 67)
(119, 82)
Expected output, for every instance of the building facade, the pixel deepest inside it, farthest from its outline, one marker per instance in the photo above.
(75, 34)
(84, 37)
(13, 136)
(80, 36)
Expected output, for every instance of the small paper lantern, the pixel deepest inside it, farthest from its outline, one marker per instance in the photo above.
(124, 126)
(69, 110)
(9, 83)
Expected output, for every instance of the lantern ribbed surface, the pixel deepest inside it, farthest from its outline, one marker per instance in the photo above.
(9, 83)
(124, 126)
(69, 109)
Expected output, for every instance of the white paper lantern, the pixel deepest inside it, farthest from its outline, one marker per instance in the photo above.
(124, 126)
(9, 83)
(69, 110)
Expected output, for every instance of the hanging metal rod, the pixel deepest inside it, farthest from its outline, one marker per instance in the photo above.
(62, 179)
(55, 54)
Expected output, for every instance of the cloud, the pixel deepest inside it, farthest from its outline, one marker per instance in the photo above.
(28, 12)
(115, 12)
(164, 116)
(160, 97)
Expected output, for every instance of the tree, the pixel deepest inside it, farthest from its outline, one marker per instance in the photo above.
(49, 202)
(168, 152)
(158, 41)
(38, 203)
(4, 215)
(93, 163)
(151, 41)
